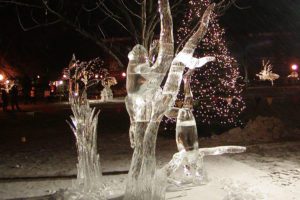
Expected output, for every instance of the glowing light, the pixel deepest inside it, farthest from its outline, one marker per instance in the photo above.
(38, 76)
(64, 76)
(124, 74)
(96, 76)
(294, 67)
(216, 88)
(7, 81)
(1, 77)
(23, 139)
(60, 82)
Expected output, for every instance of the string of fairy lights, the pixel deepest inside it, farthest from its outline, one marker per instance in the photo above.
(216, 87)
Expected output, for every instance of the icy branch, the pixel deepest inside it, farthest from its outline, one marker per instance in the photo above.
(222, 150)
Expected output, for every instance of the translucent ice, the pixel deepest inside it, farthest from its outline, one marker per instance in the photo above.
(147, 103)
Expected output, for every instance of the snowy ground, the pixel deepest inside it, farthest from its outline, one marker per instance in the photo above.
(266, 171)
(46, 162)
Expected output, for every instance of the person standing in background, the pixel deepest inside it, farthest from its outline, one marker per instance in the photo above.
(4, 98)
(33, 95)
(14, 98)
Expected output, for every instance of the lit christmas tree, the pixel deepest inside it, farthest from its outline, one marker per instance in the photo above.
(216, 87)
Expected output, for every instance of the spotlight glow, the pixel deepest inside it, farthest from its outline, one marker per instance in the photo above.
(1, 77)
(294, 67)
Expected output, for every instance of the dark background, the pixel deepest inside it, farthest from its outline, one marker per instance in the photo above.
(258, 29)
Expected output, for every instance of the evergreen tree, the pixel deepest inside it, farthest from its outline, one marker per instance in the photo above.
(216, 87)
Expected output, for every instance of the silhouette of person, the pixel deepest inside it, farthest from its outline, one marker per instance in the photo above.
(4, 97)
(14, 101)
(33, 95)
(26, 85)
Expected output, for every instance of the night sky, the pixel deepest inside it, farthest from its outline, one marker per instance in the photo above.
(261, 29)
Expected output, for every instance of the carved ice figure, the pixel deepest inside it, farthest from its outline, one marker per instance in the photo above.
(89, 183)
(187, 165)
(186, 129)
(147, 103)
(266, 73)
(294, 75)
(106, 93)
(192, 62)
(191, 167)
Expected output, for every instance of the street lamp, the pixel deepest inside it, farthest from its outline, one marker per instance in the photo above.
(294, 67)
(294, 74)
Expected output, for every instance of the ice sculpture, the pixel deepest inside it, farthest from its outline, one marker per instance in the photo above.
(147, 103)
(187, 166)
(266, 73)
(85, 73)
(89, 184)
(193, 168)
(293, 75)
(106, 93)
(186, 129)
(84, 126)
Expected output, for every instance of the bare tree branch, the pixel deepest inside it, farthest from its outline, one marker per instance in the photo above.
(20, 3)
(101, 31)
(37, 24)
(84, 33)
(144, 23)
(223, 5)
(133, 31)
(113, 16)
(130, 11)
(90, 9)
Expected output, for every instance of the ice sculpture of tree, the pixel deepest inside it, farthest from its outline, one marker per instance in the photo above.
(147, 102)
(266, 73)
(89, 184)
(87, 73)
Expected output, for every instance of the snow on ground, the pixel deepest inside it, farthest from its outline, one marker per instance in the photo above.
(270, 169)
(265, 171)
